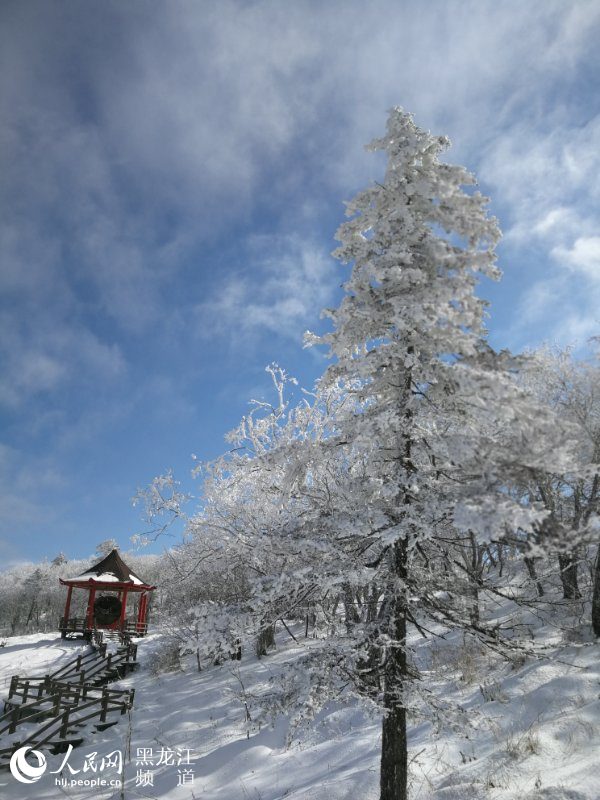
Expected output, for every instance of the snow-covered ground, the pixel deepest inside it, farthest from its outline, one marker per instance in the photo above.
(35, 654)
(530, 730)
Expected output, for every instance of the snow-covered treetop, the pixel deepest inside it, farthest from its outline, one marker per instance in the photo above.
(418, 241)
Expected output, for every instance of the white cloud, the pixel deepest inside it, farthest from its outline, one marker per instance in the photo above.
(566, 311)
(546, 180)
(282, 284)
(582, 257)
(25, 488)
(558, 221)
(44, 355)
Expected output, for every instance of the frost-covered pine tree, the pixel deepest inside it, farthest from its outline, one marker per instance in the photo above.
(408, 341)
(104, 547)
(417, 242)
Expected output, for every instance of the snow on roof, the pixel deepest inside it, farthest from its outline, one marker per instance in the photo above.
(111, 569)
(107, 577)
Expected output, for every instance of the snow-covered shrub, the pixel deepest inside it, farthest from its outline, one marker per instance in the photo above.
(492, 691)
(167, 658)
(522, 745)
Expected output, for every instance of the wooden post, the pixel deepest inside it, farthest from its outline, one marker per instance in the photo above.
(64, 728)
(14, 718)
(25, 690)
(68, 603)
(104, 705)
(141, 613)
(13, 686)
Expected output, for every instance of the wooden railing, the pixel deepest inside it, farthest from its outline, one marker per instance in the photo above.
(98, 660)
(67, 718)
(26, 688)
(85, 668)
(140, 628)
(65, 693)
(73, 625)
(62, 697)
(79, 625)
(28, 712)
(82, 659)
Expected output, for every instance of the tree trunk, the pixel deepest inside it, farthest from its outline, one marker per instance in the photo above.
(394, 761)
(474, 606)
(265, 640)
(393, 779)
(30, 614)
(568, 575)
(350, 611)
(475, 568)
(310, 620)
(236, 653)
(530, 564)
(394, 752)
(372, 603)
(500, 559)
(596, 597)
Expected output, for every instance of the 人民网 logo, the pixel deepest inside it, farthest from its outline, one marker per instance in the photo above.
(22, 770)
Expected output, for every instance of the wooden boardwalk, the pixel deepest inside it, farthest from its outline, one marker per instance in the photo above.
(50, 711)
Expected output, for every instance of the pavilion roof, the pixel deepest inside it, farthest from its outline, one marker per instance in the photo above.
(111, 569)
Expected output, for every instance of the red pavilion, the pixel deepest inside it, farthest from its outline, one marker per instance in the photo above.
(109, 584)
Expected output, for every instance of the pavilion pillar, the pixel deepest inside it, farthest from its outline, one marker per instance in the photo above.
(89, 617)
(141, 618)
(123, 609)
(68, 604)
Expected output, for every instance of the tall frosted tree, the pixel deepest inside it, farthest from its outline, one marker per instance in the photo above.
(408, 342)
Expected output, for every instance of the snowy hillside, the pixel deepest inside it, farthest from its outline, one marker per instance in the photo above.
(388, 587)
(528, 729)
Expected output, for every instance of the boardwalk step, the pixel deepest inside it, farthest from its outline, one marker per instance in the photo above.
(102, 726)
(62, 745)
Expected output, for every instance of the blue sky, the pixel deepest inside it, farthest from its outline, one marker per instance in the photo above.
(173, 175)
